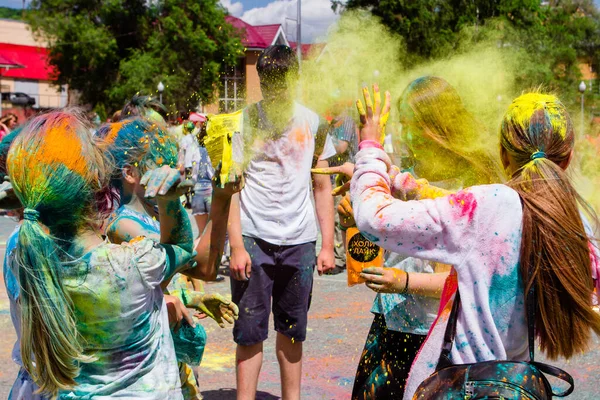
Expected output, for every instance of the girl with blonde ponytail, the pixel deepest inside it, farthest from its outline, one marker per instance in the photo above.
(93, 319)
(500, 240)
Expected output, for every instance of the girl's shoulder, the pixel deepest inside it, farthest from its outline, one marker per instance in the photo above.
(491, 197)
(130, 250)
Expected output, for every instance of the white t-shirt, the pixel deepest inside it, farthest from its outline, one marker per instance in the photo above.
(277, 203)
(189, 152)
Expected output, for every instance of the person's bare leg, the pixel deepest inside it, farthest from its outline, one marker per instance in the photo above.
(201, 221)
(197, 285)
(289, 355)
(248, 363)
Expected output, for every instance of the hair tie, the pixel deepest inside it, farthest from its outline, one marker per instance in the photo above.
(31, 215)
(537, 154)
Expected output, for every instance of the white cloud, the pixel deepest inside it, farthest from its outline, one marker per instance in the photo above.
(317, 17)
(235, 8)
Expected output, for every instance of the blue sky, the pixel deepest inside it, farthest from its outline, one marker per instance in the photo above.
(317, 15)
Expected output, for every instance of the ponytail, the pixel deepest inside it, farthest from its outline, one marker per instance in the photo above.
(50, 343)
(538, 136)
(56, 171)
(555, 257)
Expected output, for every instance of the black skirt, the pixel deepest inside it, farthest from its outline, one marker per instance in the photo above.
(385, 362)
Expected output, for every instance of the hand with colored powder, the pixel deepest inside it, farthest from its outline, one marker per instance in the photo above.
(385, 280)
(234, 184)
(345, 212)
(212, 305)
(165, 183)
(373, 119)
(345, 170)
(177, 313)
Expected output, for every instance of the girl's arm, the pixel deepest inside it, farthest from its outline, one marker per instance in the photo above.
(210, 246)
(175, 228)
(440, 230)
(394, 280)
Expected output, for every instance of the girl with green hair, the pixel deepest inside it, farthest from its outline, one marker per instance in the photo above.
(138, 145)
(93, 317)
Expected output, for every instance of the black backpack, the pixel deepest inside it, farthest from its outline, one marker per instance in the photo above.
(491, 379)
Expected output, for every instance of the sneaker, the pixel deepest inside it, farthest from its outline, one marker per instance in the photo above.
(219, 278)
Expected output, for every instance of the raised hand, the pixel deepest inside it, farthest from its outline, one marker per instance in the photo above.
(165, 183)
(8, 198)
(373, 119)
(230, 188)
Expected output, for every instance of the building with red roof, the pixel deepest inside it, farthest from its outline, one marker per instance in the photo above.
(34, 76)
(240, 84)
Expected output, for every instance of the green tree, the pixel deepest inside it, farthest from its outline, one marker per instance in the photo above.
(549, 40)
(109, 50)
(11, 13)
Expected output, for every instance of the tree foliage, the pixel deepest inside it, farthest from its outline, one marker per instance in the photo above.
(11, 13)
(109, 50)
(549, 39)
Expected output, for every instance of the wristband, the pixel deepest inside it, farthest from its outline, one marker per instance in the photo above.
(364, 144)
(405, 290)
(344, 228)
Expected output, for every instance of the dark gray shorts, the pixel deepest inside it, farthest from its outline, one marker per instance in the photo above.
(283, 274)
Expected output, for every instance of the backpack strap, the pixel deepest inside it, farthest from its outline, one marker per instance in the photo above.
(444, 360)
(557, 373)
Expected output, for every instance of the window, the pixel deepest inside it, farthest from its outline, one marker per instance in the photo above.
(232, 93)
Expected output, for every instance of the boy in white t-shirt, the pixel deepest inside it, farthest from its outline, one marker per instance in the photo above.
(273, 248)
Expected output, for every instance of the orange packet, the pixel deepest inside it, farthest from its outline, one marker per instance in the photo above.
(360, 253)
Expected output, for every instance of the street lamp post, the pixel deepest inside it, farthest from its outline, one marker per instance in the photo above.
(160, 89)
(582, 88)
(299, 33)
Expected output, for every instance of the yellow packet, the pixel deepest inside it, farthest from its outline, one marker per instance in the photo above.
(225, 145)
(360, 253)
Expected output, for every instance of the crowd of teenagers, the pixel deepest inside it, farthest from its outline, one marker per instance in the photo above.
(485, 254)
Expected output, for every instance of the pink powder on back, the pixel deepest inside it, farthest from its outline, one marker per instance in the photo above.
(466, 203)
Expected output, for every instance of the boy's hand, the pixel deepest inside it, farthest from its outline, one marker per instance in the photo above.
(325, 261)
(240, 264)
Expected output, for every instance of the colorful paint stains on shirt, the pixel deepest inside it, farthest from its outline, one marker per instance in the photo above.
(276, 204)
(478, 231)
(151, 227)
(121, 315)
